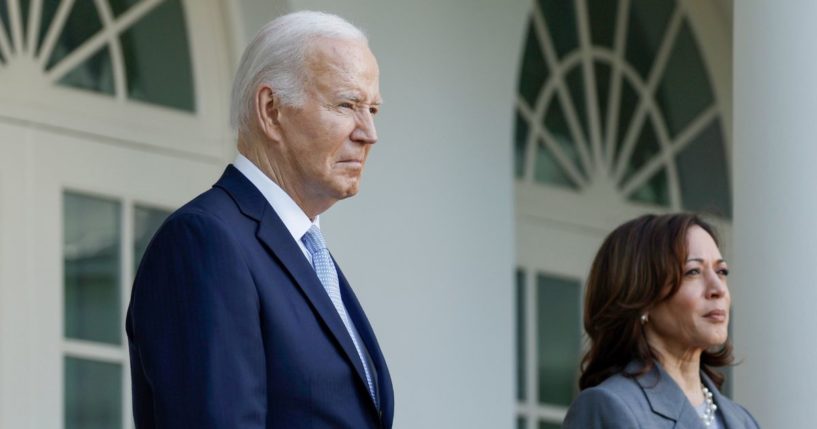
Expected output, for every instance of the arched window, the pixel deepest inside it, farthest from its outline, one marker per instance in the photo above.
(615, 94)
(131, 50)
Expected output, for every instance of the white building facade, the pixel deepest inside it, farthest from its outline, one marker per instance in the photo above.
(514, 135)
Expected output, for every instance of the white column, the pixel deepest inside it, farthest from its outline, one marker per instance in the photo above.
(774, 286)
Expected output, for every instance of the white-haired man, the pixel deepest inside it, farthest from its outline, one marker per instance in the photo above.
(239, 317)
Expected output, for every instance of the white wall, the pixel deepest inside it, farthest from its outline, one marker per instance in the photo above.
(775, 208)
(428, 243)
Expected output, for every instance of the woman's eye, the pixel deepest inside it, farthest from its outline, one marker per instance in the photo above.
(724, 272)
(692, 272)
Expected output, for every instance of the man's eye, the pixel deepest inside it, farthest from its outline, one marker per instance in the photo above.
(373, 110)
(346, 105)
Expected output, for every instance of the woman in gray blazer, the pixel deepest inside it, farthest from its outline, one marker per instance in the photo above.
(656, 313)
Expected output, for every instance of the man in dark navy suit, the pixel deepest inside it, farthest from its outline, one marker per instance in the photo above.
(239, 317)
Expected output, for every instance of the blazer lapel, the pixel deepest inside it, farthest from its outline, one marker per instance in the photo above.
(276, 238)
(364, 328)
(666, 398)
(726, 408)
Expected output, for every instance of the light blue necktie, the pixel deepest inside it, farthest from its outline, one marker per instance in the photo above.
(325, 268)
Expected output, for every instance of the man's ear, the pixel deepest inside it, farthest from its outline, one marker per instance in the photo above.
(267, 112)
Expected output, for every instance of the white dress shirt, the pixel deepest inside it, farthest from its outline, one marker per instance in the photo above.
(296, 221)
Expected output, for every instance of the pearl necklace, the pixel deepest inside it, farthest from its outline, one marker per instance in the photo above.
(710, 408)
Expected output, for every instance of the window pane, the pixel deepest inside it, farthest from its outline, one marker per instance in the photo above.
(47, 12)
(146, 221)
(602, 75)
(520, 145)
(646, 148)
(95, 74)
(4, 16)
(703, 173)
(120, 6)
(602, 15)
(556, 124)
(24, 9)
(560, 17)
(93, 394)
(521, 335)
(655, 191)
(558, 334)
(92, 260)
(534, 70)
(549, 425)
(648, 23)
(627, 105)
(547, 170)
(521, 423)
(157, 58)
(83, 22)
(575, 83)
(684, 91)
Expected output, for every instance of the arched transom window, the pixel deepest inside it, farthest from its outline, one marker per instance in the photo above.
(133, 50)
(614, 96)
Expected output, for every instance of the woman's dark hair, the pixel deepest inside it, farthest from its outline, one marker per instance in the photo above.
(630, 275)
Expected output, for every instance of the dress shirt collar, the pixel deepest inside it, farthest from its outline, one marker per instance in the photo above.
(296, 221)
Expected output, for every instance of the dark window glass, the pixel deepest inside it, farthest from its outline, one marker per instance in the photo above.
(91, 243)
(549, 425)
(534, 70)
(121, 6)
(24, 9)
(703, 173)
(648, 23)
(146, 221)
(83, 22)
(4, 16)
(602, 17)
(655, 191)
(560, 17)
(684, 91)
(157, 58)
(602, 74)
(575, 84)
(558, 333)
(627, 105)
(95, 74)
(93, 394)
(521, 335)
(556, 124)
(521, 423)
(520, 145)
(548, 171)
(646, 148)
(47, 14)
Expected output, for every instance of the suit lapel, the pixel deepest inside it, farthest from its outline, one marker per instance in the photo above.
(665, 397)
(726, 408)
(366, 332)
(276, 238)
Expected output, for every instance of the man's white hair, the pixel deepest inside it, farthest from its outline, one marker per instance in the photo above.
(277, 57)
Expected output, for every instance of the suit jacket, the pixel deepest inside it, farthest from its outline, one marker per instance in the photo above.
(229, 326)
(651, 401)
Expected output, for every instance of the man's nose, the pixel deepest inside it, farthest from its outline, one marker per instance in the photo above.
(365, 131)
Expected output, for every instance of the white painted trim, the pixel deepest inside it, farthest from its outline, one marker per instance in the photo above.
(54, 30)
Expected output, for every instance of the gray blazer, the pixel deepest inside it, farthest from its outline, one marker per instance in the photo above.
(652, 401)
